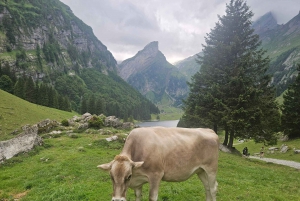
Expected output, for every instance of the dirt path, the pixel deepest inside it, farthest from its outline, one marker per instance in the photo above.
(292, 164)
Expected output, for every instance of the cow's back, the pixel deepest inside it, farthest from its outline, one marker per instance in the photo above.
(178, 152)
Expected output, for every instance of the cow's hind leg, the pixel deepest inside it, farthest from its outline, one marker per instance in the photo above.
(210, 184)
(138, 193)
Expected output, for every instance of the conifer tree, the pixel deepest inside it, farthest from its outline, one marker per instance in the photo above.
(98, 107)
(91, 104)
(83, 107)
(19, 89)
(30, 90)
(291, 109)
(229, 89)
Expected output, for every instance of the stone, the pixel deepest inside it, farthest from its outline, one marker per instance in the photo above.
(22, 143)
(284, 149)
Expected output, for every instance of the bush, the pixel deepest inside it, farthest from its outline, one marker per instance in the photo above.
(65, 122)
(95, 122)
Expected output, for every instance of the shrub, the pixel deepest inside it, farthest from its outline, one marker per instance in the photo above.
(95, 122)
(65, 122)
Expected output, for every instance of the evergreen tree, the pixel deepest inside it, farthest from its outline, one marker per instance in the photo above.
(55, 100)
(51, 97)
(83, 107)
(19, 89)
(229, 89)
(60, 102)
(91, 104)
(43, 95)
(291, 109)
(98, 107)
(30, 90)
(6, 84)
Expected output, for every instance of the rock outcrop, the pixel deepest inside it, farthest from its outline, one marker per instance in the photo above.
(22, 143)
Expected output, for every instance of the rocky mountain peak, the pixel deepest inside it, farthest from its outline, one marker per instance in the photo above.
(151, 49)
(140, 61)
(265, 23)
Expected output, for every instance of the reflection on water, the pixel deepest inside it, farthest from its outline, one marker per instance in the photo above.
(172, 123)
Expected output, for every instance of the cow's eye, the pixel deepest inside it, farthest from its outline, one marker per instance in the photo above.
(128, 178)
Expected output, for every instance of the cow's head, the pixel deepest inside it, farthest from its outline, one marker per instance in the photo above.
(120, 172)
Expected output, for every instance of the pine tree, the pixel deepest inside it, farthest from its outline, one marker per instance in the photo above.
(19, 89)
(98, 107)
(229, 89)
(30, 90)
(83, 107)
(91, 104)
(291, 109)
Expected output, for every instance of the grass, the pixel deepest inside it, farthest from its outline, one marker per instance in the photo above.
(65, 169)
(169, 113)
(16, 112)
(255, 148)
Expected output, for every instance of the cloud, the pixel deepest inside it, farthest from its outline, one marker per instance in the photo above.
(127, 26)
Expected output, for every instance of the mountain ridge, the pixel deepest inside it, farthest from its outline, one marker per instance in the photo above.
(153, 76)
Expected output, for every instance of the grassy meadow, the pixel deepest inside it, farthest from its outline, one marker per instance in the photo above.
(65, 169)
(16, 112)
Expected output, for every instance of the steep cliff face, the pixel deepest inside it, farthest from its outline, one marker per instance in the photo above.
(44, 24)
(152, 75)
(283, 47)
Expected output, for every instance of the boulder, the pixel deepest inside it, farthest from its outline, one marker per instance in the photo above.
(112, 121)
(22, 143)
(284, 148)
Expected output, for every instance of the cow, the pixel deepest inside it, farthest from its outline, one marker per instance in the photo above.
(155, 154)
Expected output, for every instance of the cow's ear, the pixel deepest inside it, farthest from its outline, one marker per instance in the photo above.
(138, 164)
(106, 166)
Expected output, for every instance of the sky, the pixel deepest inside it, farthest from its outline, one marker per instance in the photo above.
(127, 26)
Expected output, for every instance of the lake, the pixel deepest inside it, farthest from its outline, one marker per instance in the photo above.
(172, 123)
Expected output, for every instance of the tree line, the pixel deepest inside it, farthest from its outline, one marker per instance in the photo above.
(232, 90)
(39, 93)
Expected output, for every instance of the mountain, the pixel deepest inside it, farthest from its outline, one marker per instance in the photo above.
(152, 75)
(265, 23)
(189, 66)
(282, 43)
(44, 40)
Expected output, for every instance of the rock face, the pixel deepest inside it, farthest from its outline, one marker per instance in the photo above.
(153, 76)
(22, 143)
(56, 24)
(265, 23)
(283, 47)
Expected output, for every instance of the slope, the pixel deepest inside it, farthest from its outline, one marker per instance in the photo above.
(15, 112)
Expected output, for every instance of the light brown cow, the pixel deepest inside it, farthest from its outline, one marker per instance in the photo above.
(169, 154)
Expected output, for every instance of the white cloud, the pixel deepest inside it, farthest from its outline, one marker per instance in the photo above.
(127, 26)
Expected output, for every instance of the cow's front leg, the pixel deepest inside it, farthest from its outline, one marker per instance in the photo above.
(154, 182)
(138, 193)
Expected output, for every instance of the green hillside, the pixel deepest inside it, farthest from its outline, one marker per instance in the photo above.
(45, 41)
(15, 112)
(66, 169)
